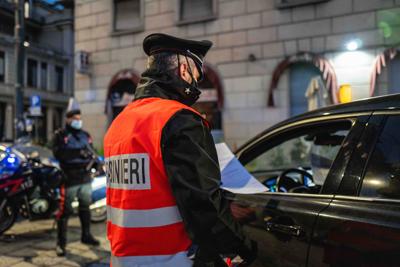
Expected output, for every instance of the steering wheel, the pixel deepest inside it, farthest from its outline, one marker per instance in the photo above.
(284, 178)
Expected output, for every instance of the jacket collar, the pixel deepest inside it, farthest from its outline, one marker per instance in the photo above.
(149, 87)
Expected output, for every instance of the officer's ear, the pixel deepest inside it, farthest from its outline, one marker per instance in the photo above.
(184, 73)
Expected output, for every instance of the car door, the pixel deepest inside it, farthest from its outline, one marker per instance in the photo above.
(361, 227)
(282, 221)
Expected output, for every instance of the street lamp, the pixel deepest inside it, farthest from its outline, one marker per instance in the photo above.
(19, 35)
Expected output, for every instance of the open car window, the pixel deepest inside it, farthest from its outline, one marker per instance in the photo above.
(297, 160)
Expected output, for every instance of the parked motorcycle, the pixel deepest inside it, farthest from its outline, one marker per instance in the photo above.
(28, 186)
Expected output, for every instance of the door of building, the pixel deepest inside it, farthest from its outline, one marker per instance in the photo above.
(300, 77)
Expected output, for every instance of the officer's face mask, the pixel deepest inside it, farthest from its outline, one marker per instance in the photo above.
(191, 91)
(76, 124)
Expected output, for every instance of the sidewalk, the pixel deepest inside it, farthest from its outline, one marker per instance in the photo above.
(31, 244)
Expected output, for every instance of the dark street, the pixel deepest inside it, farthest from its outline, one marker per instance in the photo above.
(29, 244)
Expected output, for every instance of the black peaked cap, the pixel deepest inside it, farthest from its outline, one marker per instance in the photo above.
(71, 113)
(159, 42)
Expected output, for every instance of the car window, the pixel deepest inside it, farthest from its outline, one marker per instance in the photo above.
(311, 149)
(382, 175)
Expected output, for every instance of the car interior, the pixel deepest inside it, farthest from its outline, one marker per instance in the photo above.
(296, 160)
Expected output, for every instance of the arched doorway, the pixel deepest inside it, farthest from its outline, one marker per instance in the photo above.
(211, 101)
(385, 78)
(309, 74)
(121, 91)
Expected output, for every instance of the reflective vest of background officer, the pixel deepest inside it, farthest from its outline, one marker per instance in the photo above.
(149, 189)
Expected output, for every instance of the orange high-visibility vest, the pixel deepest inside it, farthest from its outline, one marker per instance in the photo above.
(144, 226)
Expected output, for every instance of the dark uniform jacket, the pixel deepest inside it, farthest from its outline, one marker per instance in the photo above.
(192, 167)
(72, 148)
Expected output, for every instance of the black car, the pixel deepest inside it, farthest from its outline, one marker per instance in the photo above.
(334, 180)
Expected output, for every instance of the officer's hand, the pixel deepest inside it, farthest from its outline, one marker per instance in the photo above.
(248, 252)
(242, 213)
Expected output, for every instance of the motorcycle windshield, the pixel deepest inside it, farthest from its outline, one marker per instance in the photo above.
(34, 151)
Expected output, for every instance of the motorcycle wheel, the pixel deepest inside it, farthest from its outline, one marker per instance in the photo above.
(7, 217)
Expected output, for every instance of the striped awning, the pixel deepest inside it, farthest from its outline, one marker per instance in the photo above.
(380, 62)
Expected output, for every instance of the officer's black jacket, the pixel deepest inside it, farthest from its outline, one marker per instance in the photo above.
(71, 149)
(192, 167)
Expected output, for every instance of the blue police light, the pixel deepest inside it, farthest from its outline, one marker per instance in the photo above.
(8, 165)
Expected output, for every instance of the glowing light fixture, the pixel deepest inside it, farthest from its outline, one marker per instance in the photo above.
(353, 45)
(27, 10)
(26, 44)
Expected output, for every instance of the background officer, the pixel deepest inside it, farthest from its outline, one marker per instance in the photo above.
(72, 147)
(163, 173)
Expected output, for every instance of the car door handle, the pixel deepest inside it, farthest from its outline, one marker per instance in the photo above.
(293, 230)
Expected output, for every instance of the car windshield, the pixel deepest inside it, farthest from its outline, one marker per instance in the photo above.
(35, 151)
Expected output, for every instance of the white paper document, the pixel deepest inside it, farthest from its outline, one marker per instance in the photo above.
(235, 178)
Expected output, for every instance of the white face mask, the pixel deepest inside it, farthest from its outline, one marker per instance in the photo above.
(76, 124)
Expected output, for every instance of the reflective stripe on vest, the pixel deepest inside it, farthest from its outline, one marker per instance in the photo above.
(143, 218)
(144, 225)
(177, 260)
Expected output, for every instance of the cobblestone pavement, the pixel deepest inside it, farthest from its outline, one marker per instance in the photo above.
(30, 244)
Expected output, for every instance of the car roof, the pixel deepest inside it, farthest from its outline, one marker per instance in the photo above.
(380, 103)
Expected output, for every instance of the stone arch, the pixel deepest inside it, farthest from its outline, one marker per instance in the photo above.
(211, 101)
(121, 90)
(323, 64)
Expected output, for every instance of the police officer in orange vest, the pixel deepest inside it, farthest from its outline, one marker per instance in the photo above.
(163, 177)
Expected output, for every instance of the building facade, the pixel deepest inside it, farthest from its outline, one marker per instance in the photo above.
(48, 70)
(271, 59)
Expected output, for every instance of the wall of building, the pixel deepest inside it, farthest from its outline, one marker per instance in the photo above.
(242, 27)
(52, 44)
